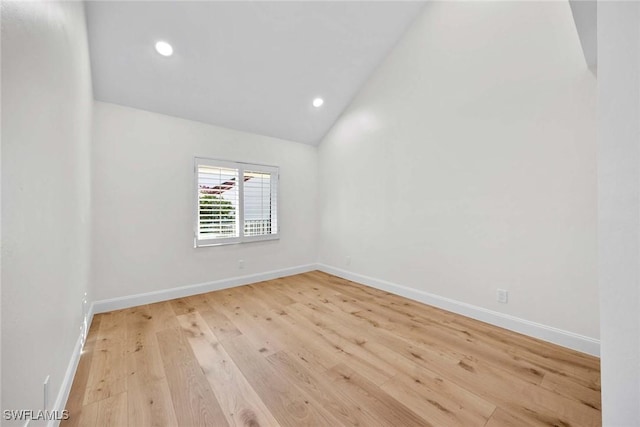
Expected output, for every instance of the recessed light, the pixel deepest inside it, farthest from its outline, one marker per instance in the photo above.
(318, 102)
(164, 48)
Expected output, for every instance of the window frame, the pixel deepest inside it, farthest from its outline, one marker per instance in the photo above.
(274, 171)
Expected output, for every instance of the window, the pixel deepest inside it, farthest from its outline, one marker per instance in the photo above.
(235, 202)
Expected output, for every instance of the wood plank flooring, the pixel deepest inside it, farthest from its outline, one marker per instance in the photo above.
(317, 350)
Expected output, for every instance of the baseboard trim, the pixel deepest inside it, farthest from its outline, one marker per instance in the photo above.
(67, 381)
(547, 333)
(119, 303)
(537, 330)
(103, 306)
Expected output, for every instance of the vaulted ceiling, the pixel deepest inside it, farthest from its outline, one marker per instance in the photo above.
(251, 66)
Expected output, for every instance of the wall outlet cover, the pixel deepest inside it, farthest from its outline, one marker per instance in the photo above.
(502, 296)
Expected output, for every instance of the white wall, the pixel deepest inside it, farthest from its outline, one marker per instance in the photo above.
(143, 202)
(619, 209)
(46, 120)
(468, 163)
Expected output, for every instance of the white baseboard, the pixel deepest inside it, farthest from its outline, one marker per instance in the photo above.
(67, 381)
(106, 305)
(157, 296)
(537, 330)
(547, 333)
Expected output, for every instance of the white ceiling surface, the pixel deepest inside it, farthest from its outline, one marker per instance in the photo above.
(585, 13)
(251, 66)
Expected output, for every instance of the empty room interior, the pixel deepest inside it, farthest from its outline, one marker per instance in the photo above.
(330, 213)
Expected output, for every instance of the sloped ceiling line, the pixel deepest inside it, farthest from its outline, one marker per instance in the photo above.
(585, 17)
(251, 66)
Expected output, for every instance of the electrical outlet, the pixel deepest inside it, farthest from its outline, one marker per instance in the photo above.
(241, 264)
(502, 296)
(347, 260)
(45, 402)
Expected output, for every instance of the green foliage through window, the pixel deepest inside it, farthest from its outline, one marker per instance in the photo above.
(217, 215)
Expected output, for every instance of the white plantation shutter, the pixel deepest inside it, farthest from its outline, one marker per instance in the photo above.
(231, 193)
(260, 203)
(218, 196)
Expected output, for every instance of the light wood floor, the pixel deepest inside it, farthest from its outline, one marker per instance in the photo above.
(317, 350)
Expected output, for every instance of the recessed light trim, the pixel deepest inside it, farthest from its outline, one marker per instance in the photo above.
(318, 102)
(164, 48)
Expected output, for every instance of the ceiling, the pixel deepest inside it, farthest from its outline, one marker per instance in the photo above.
(251, 66)
(585, 16)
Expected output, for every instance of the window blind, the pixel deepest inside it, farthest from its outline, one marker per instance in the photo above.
(217, 202)
(259, 204)
(230, 194)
